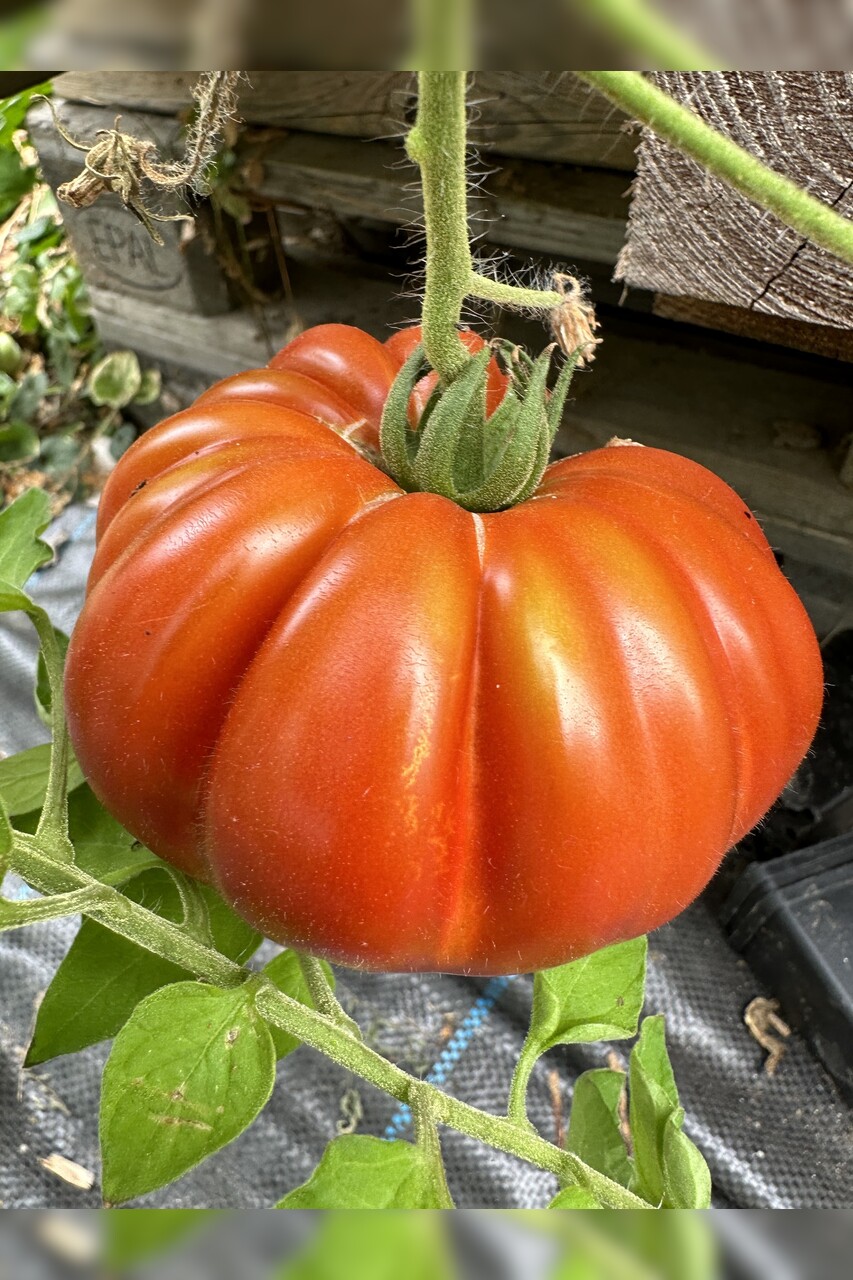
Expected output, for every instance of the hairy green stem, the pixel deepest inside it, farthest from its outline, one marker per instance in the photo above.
(53, 822)
(35, 860)
(637, 25)
(442, 35)
(517, 1106)
(511, 295)
(39, 867)
(196, 917)
(437, 145)
(426, 1136)
(325, 1000)
(680, 126)
(15, 915)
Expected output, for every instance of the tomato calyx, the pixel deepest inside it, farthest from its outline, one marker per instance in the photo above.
(480, 462)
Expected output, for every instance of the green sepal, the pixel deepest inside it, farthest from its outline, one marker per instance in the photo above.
(460, 411)
(557, 401)
(525, 448)
(397, 440)
(481, 463)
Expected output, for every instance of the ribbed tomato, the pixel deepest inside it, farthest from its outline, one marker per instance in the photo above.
(408, 737)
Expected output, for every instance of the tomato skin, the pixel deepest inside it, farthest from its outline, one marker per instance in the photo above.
(408, 737)
(346, 361)
(401, 345)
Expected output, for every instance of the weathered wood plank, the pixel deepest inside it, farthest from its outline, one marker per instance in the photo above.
(547, 115)
(355, 103)
(567, 213)
(690, 235)
(820, 339)
(244, 339)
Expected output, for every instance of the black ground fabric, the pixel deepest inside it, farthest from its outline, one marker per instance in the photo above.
(781, 1141)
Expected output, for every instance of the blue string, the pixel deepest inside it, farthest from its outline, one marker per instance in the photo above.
(453, 1050)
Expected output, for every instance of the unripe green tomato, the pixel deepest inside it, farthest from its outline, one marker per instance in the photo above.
(11, 354)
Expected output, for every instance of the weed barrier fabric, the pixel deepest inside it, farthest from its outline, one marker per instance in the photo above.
(781, 1141)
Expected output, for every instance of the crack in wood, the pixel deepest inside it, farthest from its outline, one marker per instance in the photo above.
(802, 245)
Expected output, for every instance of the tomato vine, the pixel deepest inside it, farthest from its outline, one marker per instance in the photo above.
(263, 1014)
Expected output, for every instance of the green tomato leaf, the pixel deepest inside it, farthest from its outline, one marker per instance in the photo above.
(190, 1071)
(14, 600)
(574, 1198)
(599, 997)
(23, 778)
(232, 935)
(41, 693)
(104, 976)
(368, 1246)
(16, 179)
(284, 970)
(115, 380)
(7, 835)
(149, 387)
(360, 1172)
(104, 849)
(668, 1169)
(134, 1235)
(686, 1176)
(18, 442)
(594, 1131)
(22, 551)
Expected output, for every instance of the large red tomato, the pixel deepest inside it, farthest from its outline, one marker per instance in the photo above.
(408, 737)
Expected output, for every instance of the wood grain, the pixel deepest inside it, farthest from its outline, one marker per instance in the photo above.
(556, 210)
(546, 115)
(549, 115)
(820, 339)
(690, 235)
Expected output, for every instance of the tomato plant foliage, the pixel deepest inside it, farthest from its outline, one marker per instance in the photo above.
(371, 758)
(359, 671)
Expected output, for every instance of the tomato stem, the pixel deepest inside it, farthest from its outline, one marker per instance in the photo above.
(325, 1000)
(517, 1108)
(426, 1136)
(53, 823)
(443, 30)
(644, 101)
(648, 35)
(38, 860)
(437, 145)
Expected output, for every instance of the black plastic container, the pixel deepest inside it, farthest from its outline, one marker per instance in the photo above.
(792, 920)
